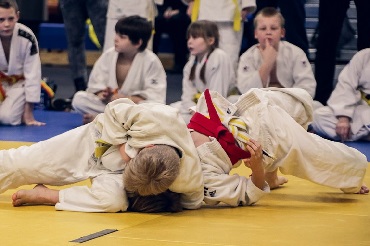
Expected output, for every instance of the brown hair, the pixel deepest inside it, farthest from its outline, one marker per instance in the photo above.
(205, 29)
(136, 28)
(167, 201)
(7, 4)
(152, 171)
(269, 12)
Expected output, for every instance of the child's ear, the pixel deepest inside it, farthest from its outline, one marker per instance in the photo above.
(282, 32)
(17, 15)
(211, 41)
(139, 43)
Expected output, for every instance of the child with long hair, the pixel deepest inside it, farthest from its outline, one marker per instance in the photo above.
(208, 67)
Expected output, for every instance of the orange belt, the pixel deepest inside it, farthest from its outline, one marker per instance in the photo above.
(2, 93)
(11, 79)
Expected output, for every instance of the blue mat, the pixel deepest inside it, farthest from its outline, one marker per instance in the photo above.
(59, 122)
(362, 146)
(56, 123)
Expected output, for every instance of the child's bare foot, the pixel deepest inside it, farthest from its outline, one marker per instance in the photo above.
(40, 194)
(87, 118)
(274, 180)
(364, 190)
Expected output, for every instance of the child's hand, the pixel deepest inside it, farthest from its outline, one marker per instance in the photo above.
(105, 95)
(255, 163)
(268, 52)
(255, 149)
(343, 128)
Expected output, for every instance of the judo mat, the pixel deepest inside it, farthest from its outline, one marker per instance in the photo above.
(299, 213)
(59, 122)
(56, 123)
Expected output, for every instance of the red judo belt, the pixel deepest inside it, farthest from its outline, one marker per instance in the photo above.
(214, 128)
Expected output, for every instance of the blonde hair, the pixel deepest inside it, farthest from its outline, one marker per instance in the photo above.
(167, 201)
(152, 171)
(269, 12)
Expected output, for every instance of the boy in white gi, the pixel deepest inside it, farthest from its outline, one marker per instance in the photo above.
(347, 114)
(229, 16)
(118, 9)
(208, 67)
(272, 62)
(124, 139)
(20, 68)
(127, 70)
(278, 120)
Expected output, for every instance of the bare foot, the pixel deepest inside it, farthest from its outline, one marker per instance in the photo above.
(40, 194)
(363, 190)
(87, 118)
(274, 180)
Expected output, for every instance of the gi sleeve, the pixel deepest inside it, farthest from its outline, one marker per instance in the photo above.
(303, 76)
(116, 120)
(106, 194)
(188, 88)
(346, 94)
(219, 185)
(99, 77)
(32, 72)
(248, 74)
(155, 81)
(220, 73)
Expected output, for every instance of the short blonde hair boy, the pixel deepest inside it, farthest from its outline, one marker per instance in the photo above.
(152, 171)
(269, 12)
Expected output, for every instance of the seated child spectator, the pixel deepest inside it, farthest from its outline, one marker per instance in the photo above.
(272, 62)
(347, 114)
(277, 118)
(149, 140)
(20, 68)
(126, 71)
(208, 67)
(229, 16)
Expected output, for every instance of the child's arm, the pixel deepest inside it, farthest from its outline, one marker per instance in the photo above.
(153, 79)
(269, 55)
(220, 73)
(219, 185)
(255, 163)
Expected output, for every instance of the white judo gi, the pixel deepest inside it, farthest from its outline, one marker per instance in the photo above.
(24, 60)
(219, 76)
(69, 158)
(278, 119)
(118, 9)
(146, 78)
(223, 14)
(346, 100)
(293, 69)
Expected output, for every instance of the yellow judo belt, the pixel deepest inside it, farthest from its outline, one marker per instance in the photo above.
(102, 146)
(237, 14)
(365, 97)
(10, 79)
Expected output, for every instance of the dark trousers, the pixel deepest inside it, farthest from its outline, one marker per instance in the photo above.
(176, 28)
(331, 16)
(75, 13)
